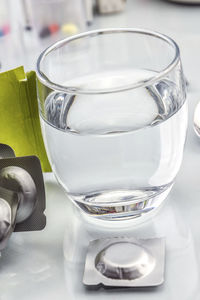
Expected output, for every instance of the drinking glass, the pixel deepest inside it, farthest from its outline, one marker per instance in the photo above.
(113, 113)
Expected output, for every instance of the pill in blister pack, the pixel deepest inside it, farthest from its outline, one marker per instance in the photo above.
(125, 262)
(22, 194)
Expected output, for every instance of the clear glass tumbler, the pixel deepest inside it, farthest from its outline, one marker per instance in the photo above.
(114, 116)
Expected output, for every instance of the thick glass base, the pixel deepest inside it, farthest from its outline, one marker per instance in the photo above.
(135, 204)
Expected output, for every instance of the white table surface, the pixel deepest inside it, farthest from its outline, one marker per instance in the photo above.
(49, 264)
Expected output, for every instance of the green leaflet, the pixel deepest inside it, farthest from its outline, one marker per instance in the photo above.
(19, 117)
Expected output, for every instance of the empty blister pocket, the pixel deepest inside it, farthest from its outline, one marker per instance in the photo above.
(125, 262)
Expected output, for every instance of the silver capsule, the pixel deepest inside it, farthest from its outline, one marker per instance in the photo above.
(19, 180)
(5, 218)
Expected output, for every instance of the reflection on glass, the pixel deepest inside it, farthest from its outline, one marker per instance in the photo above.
(114, 118)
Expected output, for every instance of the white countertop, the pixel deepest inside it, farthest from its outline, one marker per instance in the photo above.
(49, 264)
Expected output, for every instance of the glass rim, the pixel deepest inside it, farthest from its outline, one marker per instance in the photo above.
(75, 90)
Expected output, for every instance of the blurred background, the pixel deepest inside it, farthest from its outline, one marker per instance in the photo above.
(29, 26)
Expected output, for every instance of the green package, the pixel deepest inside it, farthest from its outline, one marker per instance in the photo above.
(19, 117)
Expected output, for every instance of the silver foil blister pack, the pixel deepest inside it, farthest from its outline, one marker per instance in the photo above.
(125, 262)
(22, 194)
